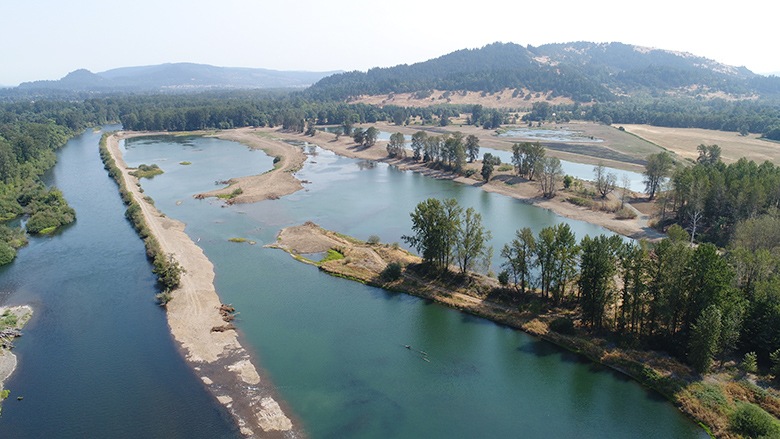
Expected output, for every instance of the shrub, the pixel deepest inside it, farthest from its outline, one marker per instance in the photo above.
(164, 297)
(168, 271)
(625, 213)
(392, 272)
(146, 171)
(562, 325)
(7, 253)
(752, 421)
(750, 362)
(774, 357)
(506, 167)
(373, 240)
(503, 278)
(567, 181)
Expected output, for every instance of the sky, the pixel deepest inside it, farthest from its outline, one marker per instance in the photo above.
(46, 39)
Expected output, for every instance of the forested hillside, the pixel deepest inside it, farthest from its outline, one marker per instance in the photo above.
(582, 71)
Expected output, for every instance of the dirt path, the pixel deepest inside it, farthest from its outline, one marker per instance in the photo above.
(218, 358)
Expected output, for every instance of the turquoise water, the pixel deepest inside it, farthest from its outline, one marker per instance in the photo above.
(335, 348)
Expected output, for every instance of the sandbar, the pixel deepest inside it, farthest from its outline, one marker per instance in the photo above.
(217, 357)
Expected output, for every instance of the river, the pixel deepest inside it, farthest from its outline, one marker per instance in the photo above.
(97, 359)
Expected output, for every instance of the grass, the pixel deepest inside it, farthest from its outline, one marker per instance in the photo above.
(238, 240)
(8, 320)
(185, 163)
(332, 255)
(229, 196)
(48, 230)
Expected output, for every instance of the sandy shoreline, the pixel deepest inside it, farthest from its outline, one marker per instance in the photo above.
(273, 184)
(7, 357)
(527, 192)
(218, 358)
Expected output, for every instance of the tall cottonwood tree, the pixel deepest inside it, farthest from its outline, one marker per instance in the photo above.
(657, 168)
(598, 266)
(472, 147)
(550, 175)
(471, 246)
(520, 257)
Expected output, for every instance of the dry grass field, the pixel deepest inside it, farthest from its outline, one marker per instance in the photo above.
(683, 142)
(503, 99)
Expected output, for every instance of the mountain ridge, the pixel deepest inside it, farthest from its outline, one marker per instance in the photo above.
(582, 71)
(177, 77)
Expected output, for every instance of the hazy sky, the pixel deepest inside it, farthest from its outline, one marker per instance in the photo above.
(46, 39)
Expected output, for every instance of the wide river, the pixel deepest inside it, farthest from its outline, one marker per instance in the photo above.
(97, 360)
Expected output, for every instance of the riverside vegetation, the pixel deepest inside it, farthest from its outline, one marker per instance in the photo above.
(166, 267)
(619, 303)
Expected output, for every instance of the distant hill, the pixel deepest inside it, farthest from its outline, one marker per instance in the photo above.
(581, 71)
(176, 77)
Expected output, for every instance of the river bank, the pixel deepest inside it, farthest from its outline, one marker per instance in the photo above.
(217, 357)
(483, 297)
(12, 320)
(505, 184)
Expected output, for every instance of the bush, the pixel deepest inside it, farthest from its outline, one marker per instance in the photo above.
(7, 253)
(503, 278)
(625, 213)
(562, 325)
(752, 421)
(373, 240)
(506, 167)
(774, 357)
(164, 297)
(567, 181)
(146, 171)
(392, 272)
(168, 271)
(750, 362)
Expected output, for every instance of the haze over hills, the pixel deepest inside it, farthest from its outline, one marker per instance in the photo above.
(581, 71)
(177, 77)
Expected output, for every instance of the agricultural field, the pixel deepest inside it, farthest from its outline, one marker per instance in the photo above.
(683, 142)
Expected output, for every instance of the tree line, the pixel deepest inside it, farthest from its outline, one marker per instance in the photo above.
(697, 303)
(710, 198)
